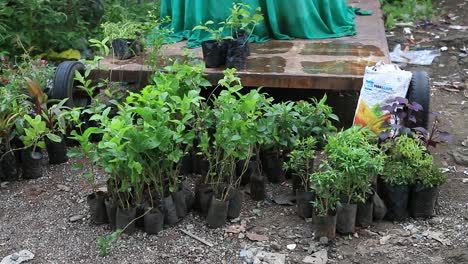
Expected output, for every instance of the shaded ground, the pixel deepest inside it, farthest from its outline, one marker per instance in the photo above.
(35, 215)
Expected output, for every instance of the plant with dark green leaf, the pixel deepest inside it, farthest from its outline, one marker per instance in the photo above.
(243, 19)
(355, 156)
(315, 118)
(406, 157)
(327, 194)
(301, 160)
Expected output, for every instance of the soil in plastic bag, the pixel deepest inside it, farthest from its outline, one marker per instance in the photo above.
(126, 48)
(273, 168)
(97, 208)
(179, 203)
(324, 226)
(396, 199)
(346, 218)
(304, 203)
(203, 198)
(365, 213)
(154, 222)
(379, 208)
(111, 210)
(235, 204)
(237, 54)
(8, 167)
(257, 187)
(57, 151)
(423, 200)
(124, 217)
(170, 212)
(217, 214)
(214, 53)
(31, 164)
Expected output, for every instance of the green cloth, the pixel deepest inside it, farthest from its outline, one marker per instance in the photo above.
(284, 19)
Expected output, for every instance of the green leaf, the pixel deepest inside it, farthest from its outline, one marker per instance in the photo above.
(54, 137)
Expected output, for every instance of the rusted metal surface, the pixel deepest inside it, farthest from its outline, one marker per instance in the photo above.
(333, 64)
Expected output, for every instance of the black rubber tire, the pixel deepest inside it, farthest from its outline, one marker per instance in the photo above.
(419, 91)
(65, 85)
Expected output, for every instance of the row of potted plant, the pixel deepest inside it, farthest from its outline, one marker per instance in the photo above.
(360, 165)
(229, 39)
(30, 123)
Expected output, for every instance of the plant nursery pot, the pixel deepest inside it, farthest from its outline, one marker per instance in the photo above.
(296, 182)
(31, 163)
(189, 196)
(179, 203)
(8, 167)
(346, 218)
(154, 222)
(396, 199)
(237, 54)
(217, 214)
(126, 48)
(214, 53)
(273, 168)
(203, 196)
(170, 212)
(325, 226)
(124, 217)
(423, 200)
(304, 203)
(140, 211)
(379, 208)
(248, 171)
(97, 208)
(365, 214)
(111, 211)
(199, 164)
(57, 151)
(257, 188)
(187, 164)
(235, 204)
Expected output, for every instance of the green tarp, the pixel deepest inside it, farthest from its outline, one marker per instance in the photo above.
(284, 19)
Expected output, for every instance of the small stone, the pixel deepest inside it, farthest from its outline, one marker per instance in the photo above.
(291, 246)
(75, 218)
(63, 188)
(319, 257)
(323, 240)
(275, 246)
(189, 227)
(241, 236)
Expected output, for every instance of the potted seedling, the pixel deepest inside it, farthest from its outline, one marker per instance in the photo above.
(325, 202)
(301, 161)
(124, 37)
(242, 23)
(357, 160)
(100, 214)
(12, 109)
(214, 50)
(281, 123)
(234, 139)
(405, 157)
(51, 112)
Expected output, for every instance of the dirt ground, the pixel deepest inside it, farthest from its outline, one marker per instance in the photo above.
(36, 215)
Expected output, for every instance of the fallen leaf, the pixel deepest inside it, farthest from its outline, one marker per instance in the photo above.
(235, 229)
(256, 237)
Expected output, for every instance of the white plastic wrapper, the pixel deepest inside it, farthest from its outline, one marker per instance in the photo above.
(419, 57)
(381, 83)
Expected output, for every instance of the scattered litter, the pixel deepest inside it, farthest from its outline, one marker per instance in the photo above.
(291, 246)
(419, 57)
(235, 229)
(270, 258)
(16, 258)
(284, 199)
(437, 236)
(197, 238)
(444, 48)
(244, 253)
(256, 237)
(102, 189)
(458, 27)
(465, 180)
(4, 184)
(407, 31)
(319, 257)
(465, 172)
(383, 240)
(465, 142)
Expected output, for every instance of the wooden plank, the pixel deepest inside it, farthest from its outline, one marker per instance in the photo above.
(332, 64)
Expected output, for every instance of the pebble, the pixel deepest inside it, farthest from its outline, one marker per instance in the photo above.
(275, 246)
(323, 240)
(291, 246)
(75, 218)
